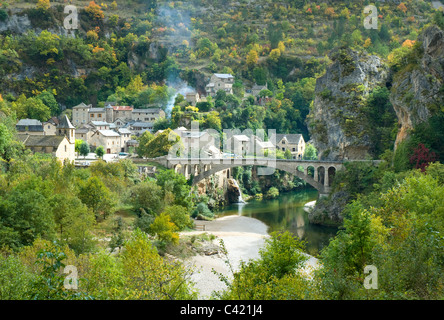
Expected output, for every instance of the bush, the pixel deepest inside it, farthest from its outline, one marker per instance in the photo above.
(272, 193)
(3, 15)
(202, 212)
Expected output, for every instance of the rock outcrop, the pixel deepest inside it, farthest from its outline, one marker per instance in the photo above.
(334, 122)
(418, 89)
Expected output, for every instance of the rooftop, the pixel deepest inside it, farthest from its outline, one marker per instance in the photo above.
(64, 123)
(29, 122)
(100, 123)
(122, 108)
(223, 75)
(82, 105)
(40, 141)
(292, 138)
(109, 133)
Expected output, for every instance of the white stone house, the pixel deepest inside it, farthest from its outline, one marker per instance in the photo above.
(110, 140)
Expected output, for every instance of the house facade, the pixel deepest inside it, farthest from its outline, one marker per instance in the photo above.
(61, 145)
(83, 114)
(110, 140)
(293, 142)
(30, 127)
(220, 81)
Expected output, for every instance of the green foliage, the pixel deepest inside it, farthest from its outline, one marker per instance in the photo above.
(275, 275)
(84, 148)
(272, 193)
(202, 212)
(97, 197)
(15, 278)
(146, 195)
(310, 152)
(160, 145)
(100, 151)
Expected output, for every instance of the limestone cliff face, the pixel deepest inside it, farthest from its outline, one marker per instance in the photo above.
(417, 89)
(334, 121)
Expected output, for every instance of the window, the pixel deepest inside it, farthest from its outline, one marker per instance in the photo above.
(65, 148)
(294, 149)
(283, 142)
(92, 115)
(99, 115)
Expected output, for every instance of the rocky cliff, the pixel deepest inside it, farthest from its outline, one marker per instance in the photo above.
(335, 122)
(418, 88)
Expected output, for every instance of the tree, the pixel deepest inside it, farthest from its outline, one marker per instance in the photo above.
(25, 213)
(164, 229)
(252, 57)
(77, 144)
(272, 193)
(212, 121)
(49, 100)
(275, 275)
(162, 144)
(180, 216)
(174, 184)
(5, 138)
(310, 152)
(36, 109)
(94, 11)
(422, 157)
(287, 154)
(146, 196)
(144, 139)
(43, 5)
(275, 54)
(84, 148)
(96, 196)
(148, 276)
(100, 151)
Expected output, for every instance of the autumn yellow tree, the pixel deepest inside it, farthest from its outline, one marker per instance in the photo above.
(252, 57)
(94, 11)
(43, 4)
(275, 55)
(402, 7)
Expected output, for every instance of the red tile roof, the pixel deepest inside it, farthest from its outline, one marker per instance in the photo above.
(122, 108)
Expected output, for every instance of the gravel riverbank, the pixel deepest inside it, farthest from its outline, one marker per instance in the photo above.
(243, 237)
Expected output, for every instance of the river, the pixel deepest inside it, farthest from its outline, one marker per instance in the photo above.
(286, 213)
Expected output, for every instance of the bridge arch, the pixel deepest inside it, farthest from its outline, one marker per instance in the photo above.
(280, 166)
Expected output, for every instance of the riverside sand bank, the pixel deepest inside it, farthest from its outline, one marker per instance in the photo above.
(243, 238)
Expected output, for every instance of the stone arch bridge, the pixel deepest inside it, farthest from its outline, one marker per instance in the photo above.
(317, 173)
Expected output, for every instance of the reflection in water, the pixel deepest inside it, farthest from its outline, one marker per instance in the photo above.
(287, 213)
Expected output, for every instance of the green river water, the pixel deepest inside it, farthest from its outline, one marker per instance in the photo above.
(287, 213)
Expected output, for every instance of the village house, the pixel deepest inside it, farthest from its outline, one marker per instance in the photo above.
(61, 145)
(240, 145)
(192, 98)
(293, 142)
(220, 81)
(124, 113)
(125, 136)
(58, 146)
(83, 114)
(110, 140)
(50, 126)
(101, 125)
(257, 89)
(148, 115)
(80, 114)
(30, 127)
(139, 127)
(84, 132)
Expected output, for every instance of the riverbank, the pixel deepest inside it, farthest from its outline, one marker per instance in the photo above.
(243, 237)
